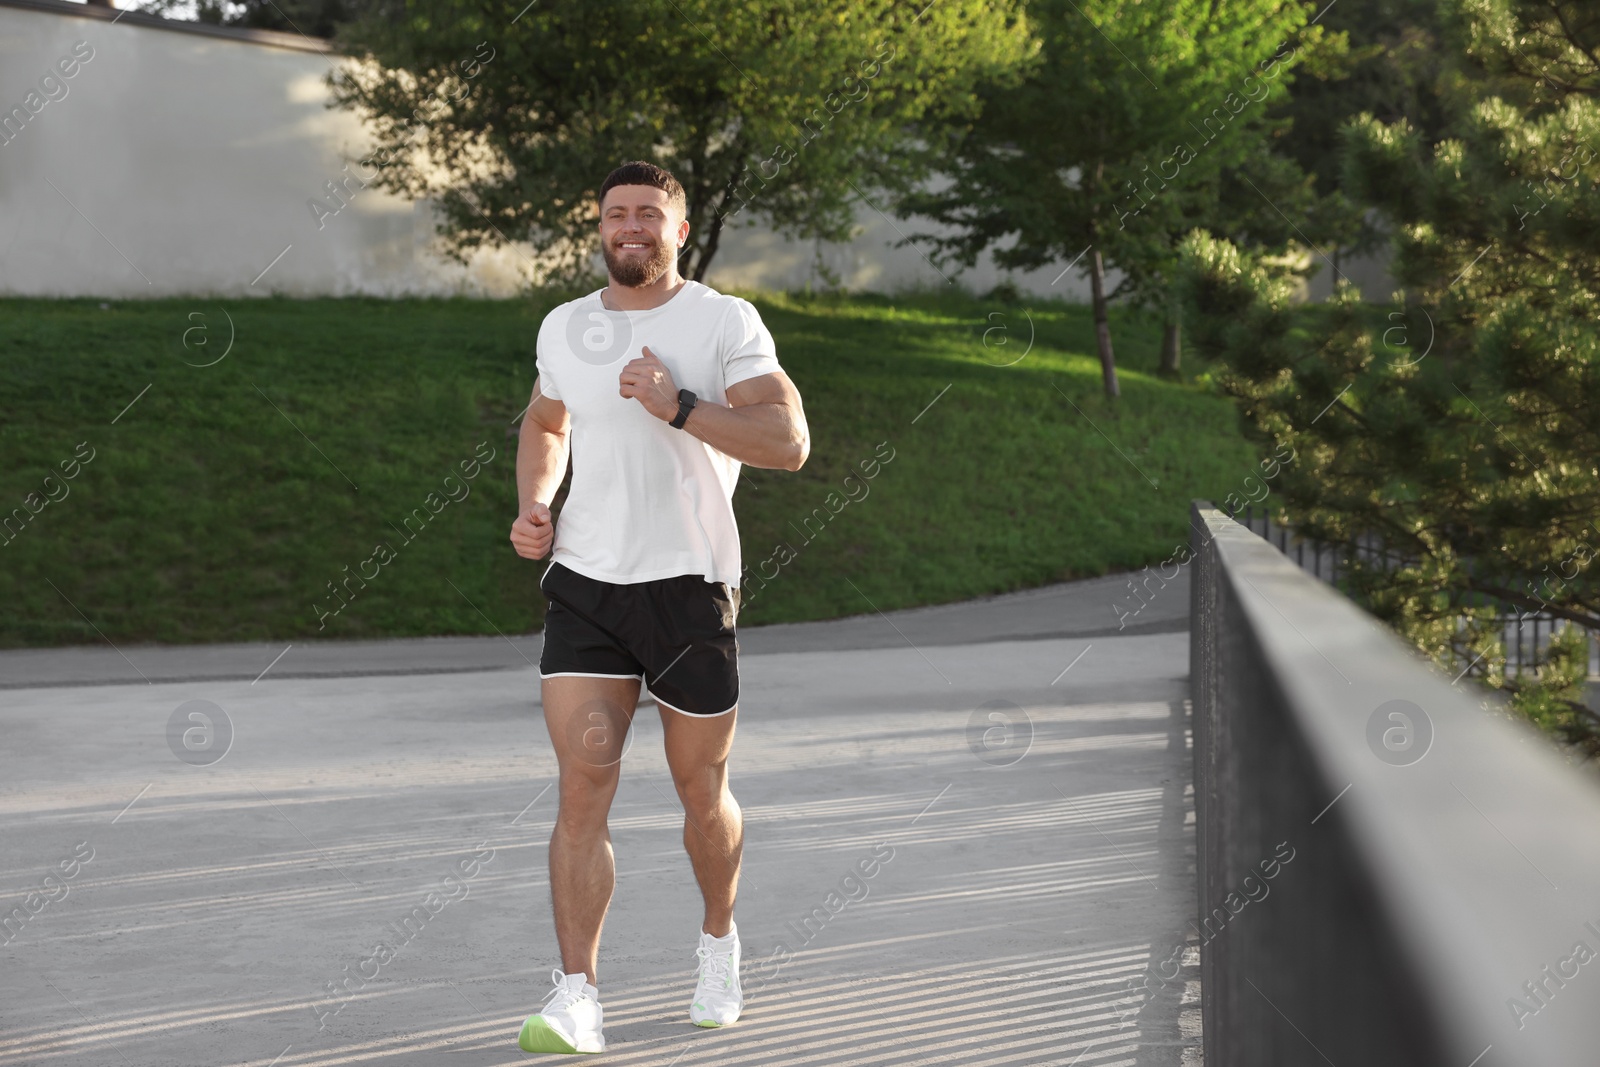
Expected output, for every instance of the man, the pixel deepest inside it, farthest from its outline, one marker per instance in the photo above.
(662, 387)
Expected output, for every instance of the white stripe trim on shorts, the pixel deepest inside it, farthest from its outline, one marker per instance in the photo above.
(691, 714)
(586, 674)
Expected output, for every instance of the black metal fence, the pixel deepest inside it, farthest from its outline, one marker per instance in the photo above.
(1526, 635)
(1389, 876)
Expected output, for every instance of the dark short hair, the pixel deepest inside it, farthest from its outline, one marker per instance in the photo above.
(638, 172)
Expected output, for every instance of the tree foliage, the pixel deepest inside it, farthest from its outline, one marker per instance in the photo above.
(1391, 69)
(1143, 120)
(1461, 427)
(508, 114)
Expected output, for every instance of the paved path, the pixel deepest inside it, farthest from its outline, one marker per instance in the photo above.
(1029, 867)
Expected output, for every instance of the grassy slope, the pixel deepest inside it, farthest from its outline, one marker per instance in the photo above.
(207, 516)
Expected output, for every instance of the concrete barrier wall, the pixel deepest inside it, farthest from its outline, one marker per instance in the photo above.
(178, 159)
(1389, 874)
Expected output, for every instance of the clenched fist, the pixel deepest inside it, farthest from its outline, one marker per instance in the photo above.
(533, 532)
(648, 381)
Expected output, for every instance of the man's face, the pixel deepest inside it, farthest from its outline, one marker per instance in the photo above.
(640, 235)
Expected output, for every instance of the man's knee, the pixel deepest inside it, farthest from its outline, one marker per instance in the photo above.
(704, 793)
(586, 791)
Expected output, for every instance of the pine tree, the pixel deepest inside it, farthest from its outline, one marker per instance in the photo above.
(1460, 426)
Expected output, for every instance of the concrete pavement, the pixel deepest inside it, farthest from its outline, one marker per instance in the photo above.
(361, 878)
(1087, 608)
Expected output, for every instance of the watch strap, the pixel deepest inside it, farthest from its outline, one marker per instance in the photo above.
(686, 402)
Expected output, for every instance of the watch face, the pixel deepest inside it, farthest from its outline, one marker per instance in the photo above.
(686, 401)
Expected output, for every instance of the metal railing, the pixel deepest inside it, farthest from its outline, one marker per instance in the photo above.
(1389, 876)
(1525, 635)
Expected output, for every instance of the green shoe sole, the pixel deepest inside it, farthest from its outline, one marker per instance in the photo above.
(537, 1036)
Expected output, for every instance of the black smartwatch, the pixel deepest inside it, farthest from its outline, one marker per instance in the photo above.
(686, 402)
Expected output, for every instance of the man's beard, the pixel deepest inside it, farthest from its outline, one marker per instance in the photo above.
(634, 270)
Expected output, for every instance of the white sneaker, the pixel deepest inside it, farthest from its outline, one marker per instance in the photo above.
(717, 998)
(570, 1020)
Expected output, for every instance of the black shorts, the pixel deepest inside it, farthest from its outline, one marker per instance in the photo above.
(675, 634)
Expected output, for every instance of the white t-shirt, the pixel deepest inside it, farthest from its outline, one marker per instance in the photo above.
(648, 501)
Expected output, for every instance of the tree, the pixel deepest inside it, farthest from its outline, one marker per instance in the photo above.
(1114, 144)
(1389, 70)
(1461, 428)
(1264, 201)
(509, 115)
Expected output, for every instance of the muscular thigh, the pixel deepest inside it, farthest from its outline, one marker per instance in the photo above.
(698, 747)
(588, 720)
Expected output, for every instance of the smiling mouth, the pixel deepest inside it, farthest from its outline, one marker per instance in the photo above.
(633, 245)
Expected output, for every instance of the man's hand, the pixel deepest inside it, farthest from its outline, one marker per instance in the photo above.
(648, 381)
(533, 532)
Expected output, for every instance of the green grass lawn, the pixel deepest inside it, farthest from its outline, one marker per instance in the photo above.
(222, 503)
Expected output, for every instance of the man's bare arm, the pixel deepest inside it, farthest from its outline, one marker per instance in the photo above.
(543, 447)
(762, 423)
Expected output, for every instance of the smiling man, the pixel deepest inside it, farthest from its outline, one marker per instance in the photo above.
(658, 388)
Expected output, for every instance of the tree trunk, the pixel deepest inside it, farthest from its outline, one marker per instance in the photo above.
(1097, 290)
(708, 249)
(693, 258)
(1102, 326)
(1171, 345)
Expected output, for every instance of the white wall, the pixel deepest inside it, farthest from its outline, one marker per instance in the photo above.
(756, 258)
(183, 164)
(1370, 274)
(194, 157)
